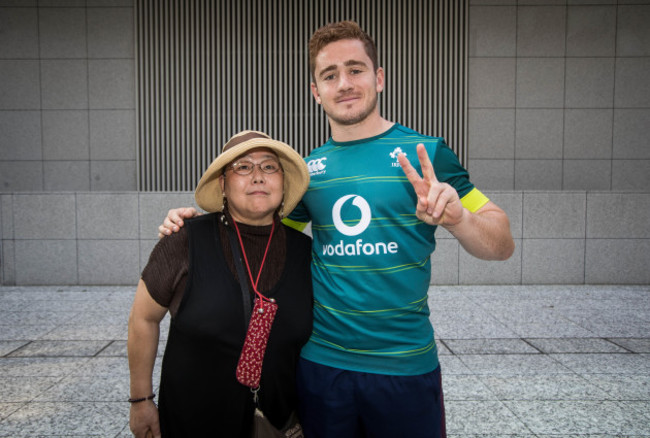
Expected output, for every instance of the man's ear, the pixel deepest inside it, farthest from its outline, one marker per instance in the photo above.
(380, 80)
(314, 92)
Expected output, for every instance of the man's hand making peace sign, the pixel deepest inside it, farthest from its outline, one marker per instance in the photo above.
(484, 234)
(438, 203)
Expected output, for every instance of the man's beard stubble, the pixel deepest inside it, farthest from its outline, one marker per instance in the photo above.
(355, 119)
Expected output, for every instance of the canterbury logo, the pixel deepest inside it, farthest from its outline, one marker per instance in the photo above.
(316, 166)
(363, 223)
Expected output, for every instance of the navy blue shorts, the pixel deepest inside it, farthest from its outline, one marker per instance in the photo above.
(336, 403)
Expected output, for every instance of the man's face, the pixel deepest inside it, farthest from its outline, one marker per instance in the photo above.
(346, 84)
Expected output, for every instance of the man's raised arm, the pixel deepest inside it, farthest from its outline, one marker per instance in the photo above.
(484, 234)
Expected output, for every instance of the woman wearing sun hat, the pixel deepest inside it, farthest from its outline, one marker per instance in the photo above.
(192, 274)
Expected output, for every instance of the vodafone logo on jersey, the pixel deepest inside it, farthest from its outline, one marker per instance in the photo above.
(363, 223)
(358, 247)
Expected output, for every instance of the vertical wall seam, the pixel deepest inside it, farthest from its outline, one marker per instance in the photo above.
(611, 160)
(76, 234)
(584, 253)
(89, 109)
(516, 109)
(523, 237)
(566, 36)
(40, 95)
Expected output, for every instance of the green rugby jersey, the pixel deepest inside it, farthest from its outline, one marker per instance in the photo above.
(371, 267)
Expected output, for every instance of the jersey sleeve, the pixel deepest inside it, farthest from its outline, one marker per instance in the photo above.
(299, 217)
(449, 170)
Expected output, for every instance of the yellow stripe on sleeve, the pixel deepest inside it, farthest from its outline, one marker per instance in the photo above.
(300, 226)
(474, 200)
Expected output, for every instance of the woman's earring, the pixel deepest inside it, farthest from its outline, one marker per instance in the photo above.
(223, 203)
(281, 213)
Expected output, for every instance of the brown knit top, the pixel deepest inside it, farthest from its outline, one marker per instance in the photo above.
(166, 272)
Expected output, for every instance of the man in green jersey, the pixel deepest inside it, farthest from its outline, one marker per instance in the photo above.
(378, 192)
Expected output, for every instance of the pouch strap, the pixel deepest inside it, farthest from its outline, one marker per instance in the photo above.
(241, 274)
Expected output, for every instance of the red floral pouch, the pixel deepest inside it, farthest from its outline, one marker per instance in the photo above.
(249, 368)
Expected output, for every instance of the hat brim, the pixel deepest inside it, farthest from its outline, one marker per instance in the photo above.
(208, 193)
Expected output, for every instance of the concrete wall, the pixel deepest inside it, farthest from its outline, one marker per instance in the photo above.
(559, 94)
(568, 237)
(67, 87)
(559, 97)
(571, 237)
(559, 114)
(82, 237)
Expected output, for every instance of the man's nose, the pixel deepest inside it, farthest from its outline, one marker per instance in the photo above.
(344, 81)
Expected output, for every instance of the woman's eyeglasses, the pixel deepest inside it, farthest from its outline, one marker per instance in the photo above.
(247, 167)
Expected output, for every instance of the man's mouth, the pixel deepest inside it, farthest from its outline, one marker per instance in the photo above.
(345, 99)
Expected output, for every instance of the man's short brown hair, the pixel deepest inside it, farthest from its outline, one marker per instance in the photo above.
(342, 30)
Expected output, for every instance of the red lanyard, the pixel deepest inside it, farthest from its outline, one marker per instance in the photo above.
(248, 268)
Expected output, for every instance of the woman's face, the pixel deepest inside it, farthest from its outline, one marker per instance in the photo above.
(253, 198)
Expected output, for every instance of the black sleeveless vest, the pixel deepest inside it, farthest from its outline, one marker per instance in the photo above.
(199, 394)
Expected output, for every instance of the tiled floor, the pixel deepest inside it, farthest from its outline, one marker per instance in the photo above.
(518, 361)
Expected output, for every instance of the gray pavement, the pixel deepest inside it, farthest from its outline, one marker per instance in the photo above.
(517, 361)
